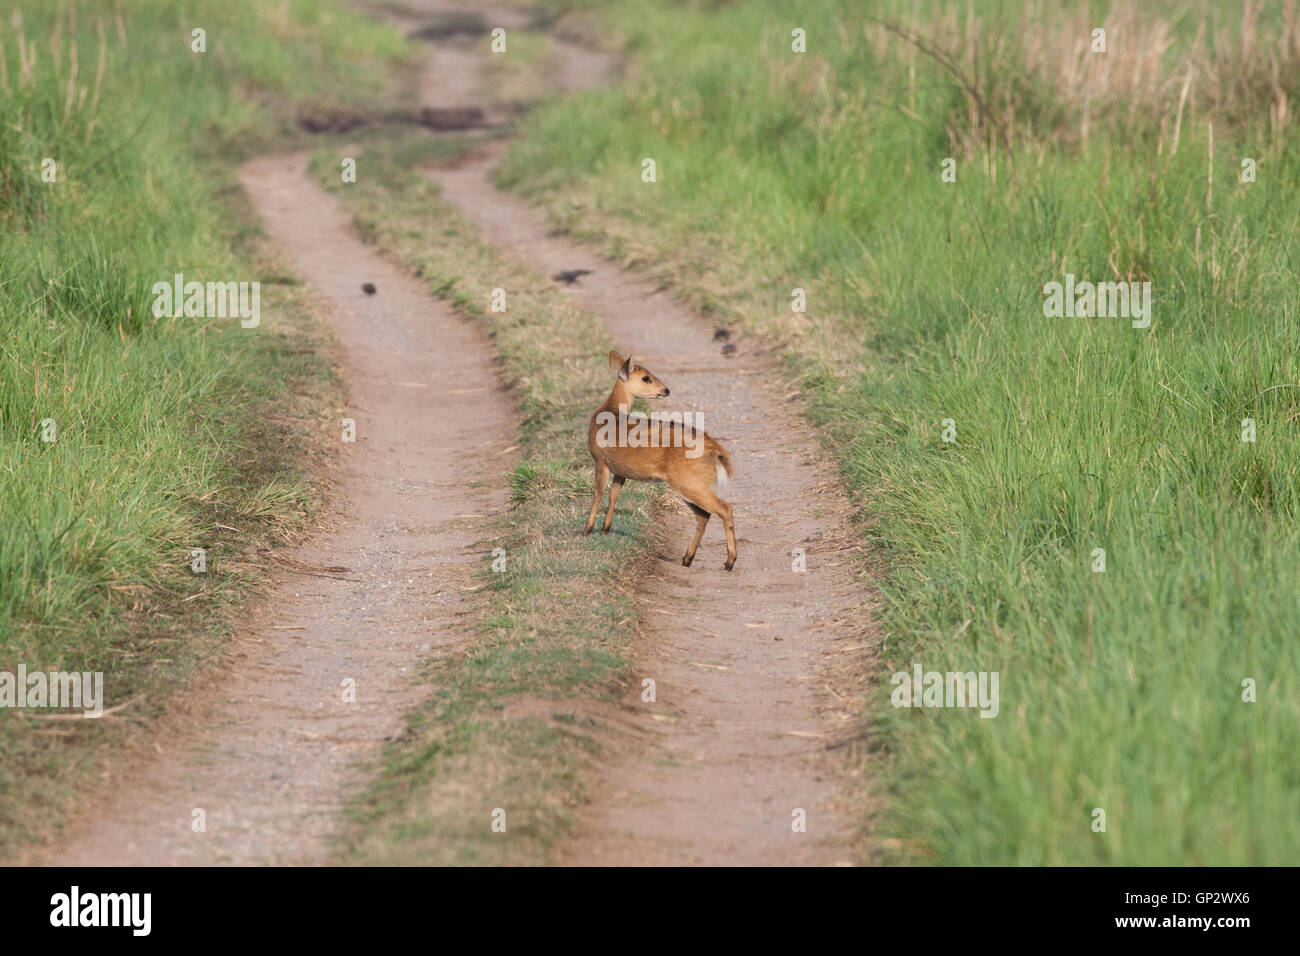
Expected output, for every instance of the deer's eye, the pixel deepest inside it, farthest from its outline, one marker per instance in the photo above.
(645, 378)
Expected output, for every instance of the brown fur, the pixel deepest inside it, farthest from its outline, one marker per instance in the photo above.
(692, 478)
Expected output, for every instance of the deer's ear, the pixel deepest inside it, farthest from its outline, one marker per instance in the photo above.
(625, 369)
(615, 360)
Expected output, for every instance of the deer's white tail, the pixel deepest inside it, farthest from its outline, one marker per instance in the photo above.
(723, 464)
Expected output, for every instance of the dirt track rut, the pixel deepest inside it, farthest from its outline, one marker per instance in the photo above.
(272, 751)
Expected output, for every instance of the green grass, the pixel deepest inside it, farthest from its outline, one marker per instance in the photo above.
(519, 78)
(171, 434)
(514, 719)
(1119, 690)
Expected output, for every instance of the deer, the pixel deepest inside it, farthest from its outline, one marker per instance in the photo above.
(632, 446)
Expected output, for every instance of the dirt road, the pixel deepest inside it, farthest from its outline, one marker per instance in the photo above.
(273, 751)
(743, 714)
(742, 661)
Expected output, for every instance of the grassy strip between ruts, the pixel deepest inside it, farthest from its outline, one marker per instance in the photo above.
(127, 441)
(511, 723)
(1106, 531)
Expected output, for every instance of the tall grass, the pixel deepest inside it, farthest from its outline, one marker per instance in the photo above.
(162, 441)
(1120, 690)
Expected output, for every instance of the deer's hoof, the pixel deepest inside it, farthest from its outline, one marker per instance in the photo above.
(686, 562)
(729, 565)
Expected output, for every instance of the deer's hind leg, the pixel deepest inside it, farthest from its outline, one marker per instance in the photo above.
(614, 491)
(712, 504)
(702, 522)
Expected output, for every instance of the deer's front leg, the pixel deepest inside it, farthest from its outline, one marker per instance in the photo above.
(602, 476)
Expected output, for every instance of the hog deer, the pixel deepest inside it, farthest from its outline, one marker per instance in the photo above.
(632, 446)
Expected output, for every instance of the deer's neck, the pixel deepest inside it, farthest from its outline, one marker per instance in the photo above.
(619, 397)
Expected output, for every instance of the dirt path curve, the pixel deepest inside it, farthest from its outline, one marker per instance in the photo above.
(743, 713)
(272, 753)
